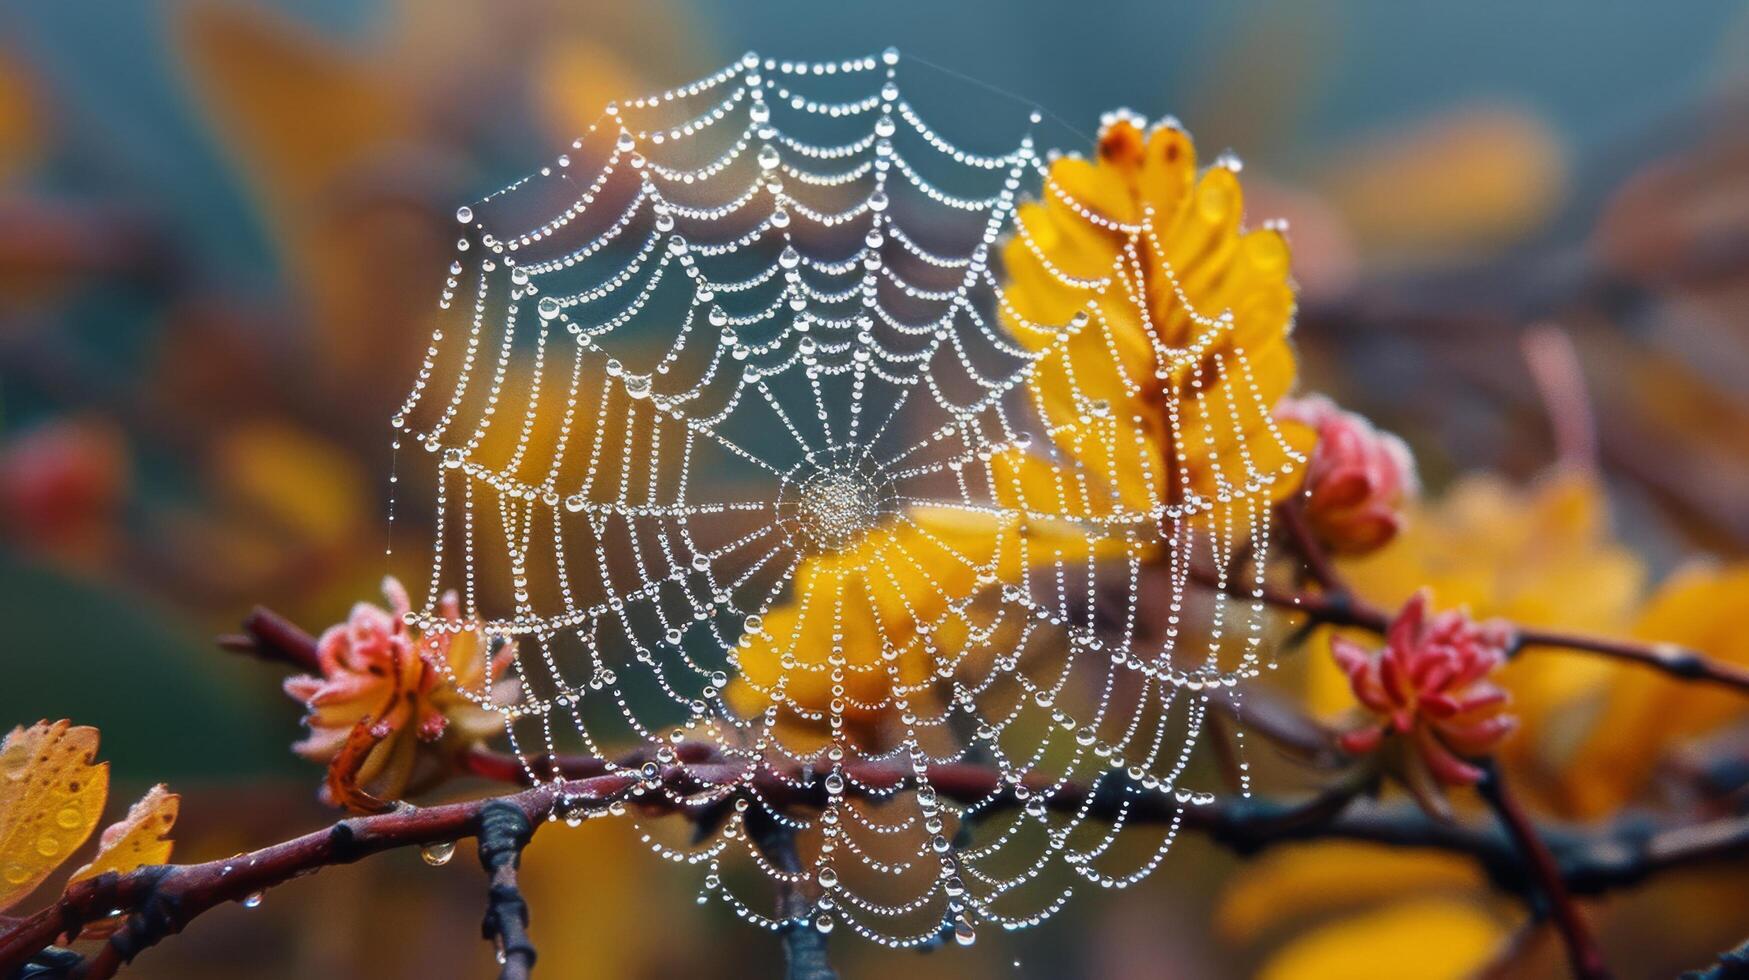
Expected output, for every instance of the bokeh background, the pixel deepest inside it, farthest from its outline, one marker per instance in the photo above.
(1521, 233)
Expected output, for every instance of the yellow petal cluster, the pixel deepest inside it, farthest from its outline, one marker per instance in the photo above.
(1177, 348)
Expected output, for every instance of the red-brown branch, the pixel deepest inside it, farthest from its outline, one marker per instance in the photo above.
(1299, 535)
(272, 637)
(1582, 950)
(161, 900)
(1340, 607)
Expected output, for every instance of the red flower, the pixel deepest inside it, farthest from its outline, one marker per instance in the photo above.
(1357, 479)
(1430, 685)
(61, 487)
(377, 671)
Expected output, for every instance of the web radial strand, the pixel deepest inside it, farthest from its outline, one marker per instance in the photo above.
(736, 431)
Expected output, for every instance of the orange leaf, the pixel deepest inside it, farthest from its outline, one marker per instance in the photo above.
(51, 796)
(139, 839)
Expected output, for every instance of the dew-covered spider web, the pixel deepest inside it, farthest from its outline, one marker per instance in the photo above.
(736, 431)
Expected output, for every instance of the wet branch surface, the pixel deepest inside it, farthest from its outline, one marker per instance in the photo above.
(1551, 887)
(1333, 604)
(159, 901)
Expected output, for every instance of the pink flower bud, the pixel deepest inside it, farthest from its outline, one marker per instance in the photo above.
(1358, 478)
(1429, 685)
(408, 687)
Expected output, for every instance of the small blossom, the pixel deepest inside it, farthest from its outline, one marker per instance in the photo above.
(61, 487)
(377, 670)
(1358, 479)
(1429, 684)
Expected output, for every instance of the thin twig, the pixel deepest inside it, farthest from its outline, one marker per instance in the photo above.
(804, 946)
(1732, 964)
(1318, 564)
(1554, 365)
(272, 637)
(1669, 658)
(504, 832)
(1582, 950)
(1345, 610)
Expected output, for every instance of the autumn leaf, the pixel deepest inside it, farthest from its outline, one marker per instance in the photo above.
(1426, 938)
(1301, 882)
(51, 796)
(22, 121)
(1498, 171)
(1204, 426)
(139, 839)
(1699, 608)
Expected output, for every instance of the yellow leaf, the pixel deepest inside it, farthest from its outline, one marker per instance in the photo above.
(21, 120)
(1423, 939)
(574, 77)
(298, 109)
(1168, 427)
(313, 125)
(51, 796)
(139, 839)
(1477, 176)
(1699, 608)
(1331, 876)
(300, 482)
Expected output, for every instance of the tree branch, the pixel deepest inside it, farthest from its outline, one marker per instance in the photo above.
(1732, 964)
(1299, 535)
(272, 637)
(1677, 661)
(161, 900)
(1341, 609)
(804, 946)
(504, 832)
(1582, 950)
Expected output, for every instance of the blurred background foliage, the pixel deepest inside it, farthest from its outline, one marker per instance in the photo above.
(221, 230)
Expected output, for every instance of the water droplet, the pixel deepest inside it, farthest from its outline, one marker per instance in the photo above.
(438, 853)
(252, 900)
(47, 845)
(768, 157)
(68, 818)
(464, 214)
(548, 307)
(963, 933)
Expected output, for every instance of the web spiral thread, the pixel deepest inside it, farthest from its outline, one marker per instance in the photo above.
(742, 440)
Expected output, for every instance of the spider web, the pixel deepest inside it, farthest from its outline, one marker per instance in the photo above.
(735, 432)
